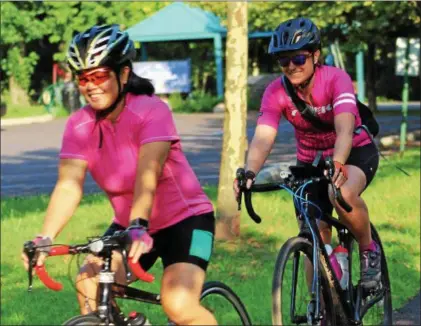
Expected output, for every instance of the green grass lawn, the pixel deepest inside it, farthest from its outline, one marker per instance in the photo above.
(245, 264)
(18, 111)
(32, 110)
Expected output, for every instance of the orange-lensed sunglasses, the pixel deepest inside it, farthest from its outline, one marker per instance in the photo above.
(96, 77)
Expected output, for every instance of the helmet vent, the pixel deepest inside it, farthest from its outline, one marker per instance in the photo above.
(285, 36)
(297, 38)
(102, 41)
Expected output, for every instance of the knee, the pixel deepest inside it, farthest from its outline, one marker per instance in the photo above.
(349, 194)
(179, 306)
(87, 273)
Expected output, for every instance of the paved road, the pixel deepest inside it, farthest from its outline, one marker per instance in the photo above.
(410, 313)
(29, 152)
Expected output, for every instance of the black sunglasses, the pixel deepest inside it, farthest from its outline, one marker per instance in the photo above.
(297, 60)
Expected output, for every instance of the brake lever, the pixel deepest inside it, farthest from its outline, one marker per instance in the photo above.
(126, 265)
(336, 192)
(29, 249)
(330, 167)
(121, 238)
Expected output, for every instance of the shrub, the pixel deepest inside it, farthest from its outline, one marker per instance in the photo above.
(176, 101)
(195, 102)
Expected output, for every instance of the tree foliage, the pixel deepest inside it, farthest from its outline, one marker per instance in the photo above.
(28, 21)
(20, 24)
(354, 23)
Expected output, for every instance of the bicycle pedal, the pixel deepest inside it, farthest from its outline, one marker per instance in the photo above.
(137, 318)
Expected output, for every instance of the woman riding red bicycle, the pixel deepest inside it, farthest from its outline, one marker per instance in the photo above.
(126, 138)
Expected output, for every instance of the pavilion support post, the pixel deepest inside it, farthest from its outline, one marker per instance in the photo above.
(217, 41)
(144, 52)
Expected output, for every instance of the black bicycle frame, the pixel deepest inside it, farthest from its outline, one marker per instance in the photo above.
(351, 297)
(109, 289)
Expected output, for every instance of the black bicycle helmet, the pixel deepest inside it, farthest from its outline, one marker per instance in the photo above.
(98, 46)
(295, 34)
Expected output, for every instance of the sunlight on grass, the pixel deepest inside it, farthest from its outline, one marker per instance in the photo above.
(15, 111)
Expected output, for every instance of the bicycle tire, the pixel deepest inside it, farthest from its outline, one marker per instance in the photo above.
(386, 303)
(218, 288)
(292, 246)
(84, 320)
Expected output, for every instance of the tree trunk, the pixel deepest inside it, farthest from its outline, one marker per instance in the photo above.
(371, 77)
(18, 95)
(419, 66)
(234, 140)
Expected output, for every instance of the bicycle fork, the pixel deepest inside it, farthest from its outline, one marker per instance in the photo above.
(314, 313)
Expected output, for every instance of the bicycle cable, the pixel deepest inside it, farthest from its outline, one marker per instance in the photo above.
(380, 153)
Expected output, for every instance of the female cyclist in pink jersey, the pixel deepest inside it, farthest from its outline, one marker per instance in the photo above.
(126, 138)
(329, 92)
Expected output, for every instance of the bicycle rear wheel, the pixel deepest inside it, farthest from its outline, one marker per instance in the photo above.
(226, 306)
(84, 320)
(381, 312)
(290, 278)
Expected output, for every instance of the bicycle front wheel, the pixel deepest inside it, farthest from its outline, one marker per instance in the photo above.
(224, 304)
(291, 287)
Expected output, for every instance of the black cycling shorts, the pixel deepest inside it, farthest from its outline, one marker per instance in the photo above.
(189, 241)
(365, 157)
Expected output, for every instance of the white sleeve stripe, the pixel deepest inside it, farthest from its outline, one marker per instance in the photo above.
(345, 95)
(344, 101)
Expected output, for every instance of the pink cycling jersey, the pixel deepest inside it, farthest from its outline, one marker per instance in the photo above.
(332, 94)
(112, 160)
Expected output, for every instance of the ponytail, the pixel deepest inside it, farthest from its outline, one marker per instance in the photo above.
(135, 84)
(138, 85)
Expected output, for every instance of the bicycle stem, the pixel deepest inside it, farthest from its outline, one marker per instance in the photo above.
(105, 282)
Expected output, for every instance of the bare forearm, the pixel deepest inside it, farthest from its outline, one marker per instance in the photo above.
(343, 145)
(63, 203)
(144, 195)
(151, 161)
(258, 153)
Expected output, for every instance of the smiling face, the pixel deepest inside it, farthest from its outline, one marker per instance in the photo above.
(298, 65)
(99, 86)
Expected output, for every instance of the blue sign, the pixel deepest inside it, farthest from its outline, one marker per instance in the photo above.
(166, 76)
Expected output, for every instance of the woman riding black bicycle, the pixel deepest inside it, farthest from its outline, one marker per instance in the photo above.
(329, 95)
(126, 138)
